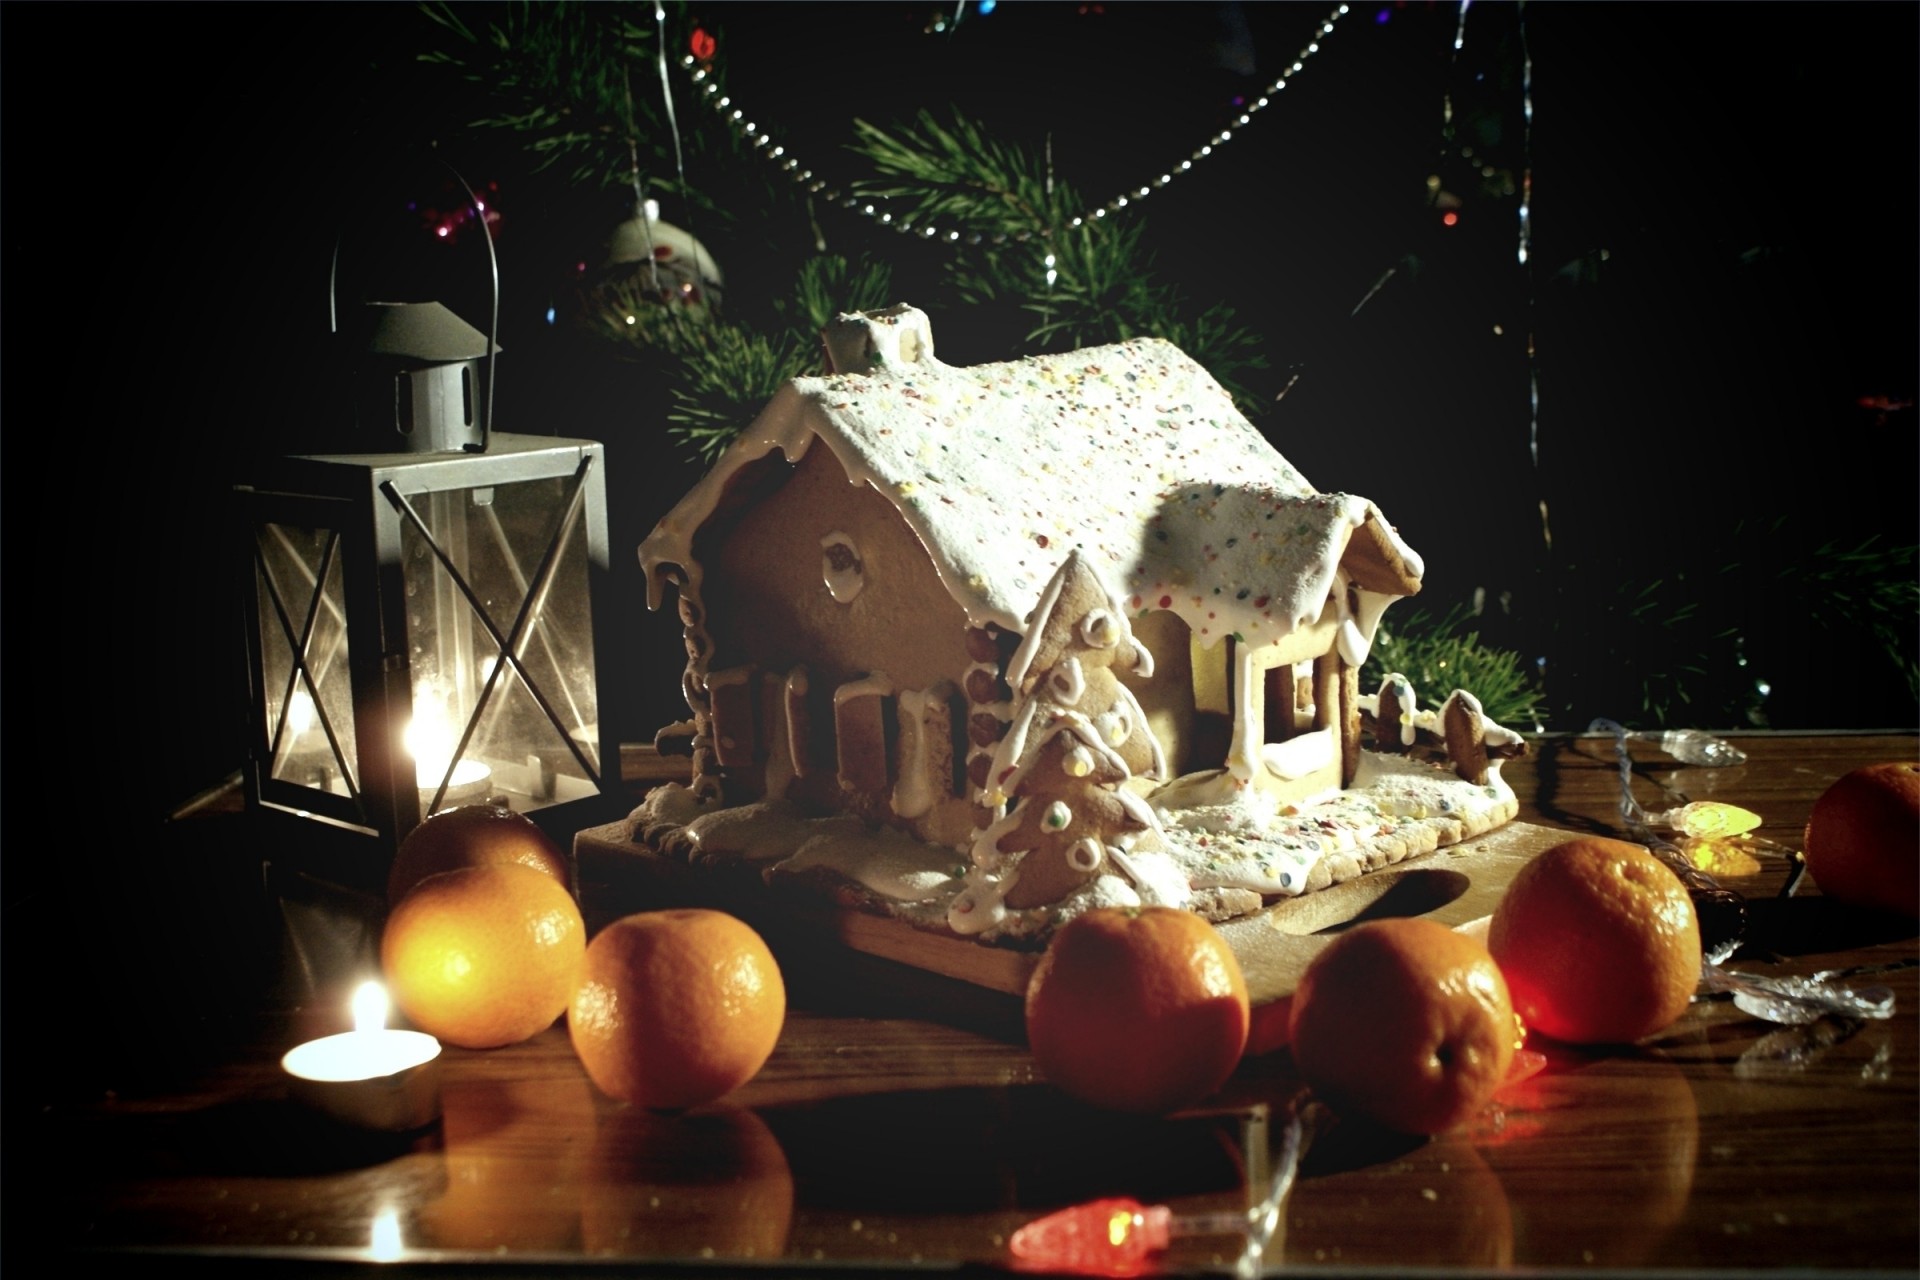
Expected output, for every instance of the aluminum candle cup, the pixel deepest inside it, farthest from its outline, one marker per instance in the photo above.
(382, 1079)
(371, 1077)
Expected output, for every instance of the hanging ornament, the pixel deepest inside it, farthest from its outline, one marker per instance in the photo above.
(645, 246)
(651, 272)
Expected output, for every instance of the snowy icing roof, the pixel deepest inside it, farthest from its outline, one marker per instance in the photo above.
(1131, 452)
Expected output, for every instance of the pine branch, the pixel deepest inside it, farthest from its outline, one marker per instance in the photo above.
(560, 73)
(829, 285)
(958, 173)
(730, 376)
(1439, 654)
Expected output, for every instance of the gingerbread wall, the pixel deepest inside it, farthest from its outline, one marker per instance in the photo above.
(767, 602)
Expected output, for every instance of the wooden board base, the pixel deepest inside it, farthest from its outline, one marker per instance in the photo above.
(1455, 886)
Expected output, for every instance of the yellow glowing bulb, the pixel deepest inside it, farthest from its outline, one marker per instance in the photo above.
(1711, 820)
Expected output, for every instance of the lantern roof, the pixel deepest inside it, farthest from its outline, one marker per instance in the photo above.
(423, 331)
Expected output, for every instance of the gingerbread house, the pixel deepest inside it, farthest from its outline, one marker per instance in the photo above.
(864, 576)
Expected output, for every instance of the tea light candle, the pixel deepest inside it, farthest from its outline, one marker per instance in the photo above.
(372, 1076)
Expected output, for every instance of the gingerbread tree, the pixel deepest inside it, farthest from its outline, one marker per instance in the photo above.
(1076, 637)
(1069, 815)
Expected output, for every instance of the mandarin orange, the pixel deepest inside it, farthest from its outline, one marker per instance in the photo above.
(676, 1008)
(1140, 1009)
(1405, 1022)
(484, 956)
(1863, 838)
(1599, 942)
(473, 835)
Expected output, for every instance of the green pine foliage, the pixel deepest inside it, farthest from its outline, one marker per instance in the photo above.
(1079, 286)
(1736, 631)
(1869, 588)
(1442, 652)
(575, 84)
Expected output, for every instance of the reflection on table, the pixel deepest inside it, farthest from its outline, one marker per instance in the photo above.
(901, 1123)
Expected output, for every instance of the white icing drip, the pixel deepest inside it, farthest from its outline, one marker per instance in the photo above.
(1113, 725)
(670, 803)
(1142, 460)
(797, 685)
(763, 832)
(860, 341)
(1498, 735)
(1353, 645)
(1157, 766)
(1154, 876)
(887, 862)
(1370, 607)
(1082, 730)
(1008, 755)
(1300, 755)
(843, 583)
(985, 852)
(873, 684)
(1142, 658)
(1403, 696)
(1494, 734)
(1079, 762)
(1248, 693)
(1100, 630)
(913, 790)
(1141, 812)
(981, 904)
(1193, 803)
(1066, 682)
(1471, 703)
(1022, 657)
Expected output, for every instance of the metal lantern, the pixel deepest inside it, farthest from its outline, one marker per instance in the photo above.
(422, 616)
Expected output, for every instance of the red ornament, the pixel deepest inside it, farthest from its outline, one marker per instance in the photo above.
(701, 44)
(1112, 1237)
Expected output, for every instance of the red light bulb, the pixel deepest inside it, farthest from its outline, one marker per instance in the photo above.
(1102, 1237)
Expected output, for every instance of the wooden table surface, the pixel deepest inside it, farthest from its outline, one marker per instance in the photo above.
(879, 1136)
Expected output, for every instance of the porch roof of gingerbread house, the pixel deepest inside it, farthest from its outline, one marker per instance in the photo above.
(1130, 452)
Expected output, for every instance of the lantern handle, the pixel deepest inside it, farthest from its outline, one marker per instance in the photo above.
(493, 323)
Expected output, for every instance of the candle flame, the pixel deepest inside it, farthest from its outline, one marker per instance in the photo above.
(369, 1007)
(429, 739)
(300, 711)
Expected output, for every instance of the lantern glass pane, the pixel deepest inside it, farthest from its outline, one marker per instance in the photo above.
(501, 569)
(303, 615)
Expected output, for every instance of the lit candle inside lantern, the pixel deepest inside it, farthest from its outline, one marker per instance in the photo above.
(430, 740)
(372, 1076)
(300, 712)
(307, 754)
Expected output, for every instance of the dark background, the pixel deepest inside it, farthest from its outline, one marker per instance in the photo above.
(1723, 267)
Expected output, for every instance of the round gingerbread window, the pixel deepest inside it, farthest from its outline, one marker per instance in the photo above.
(841, 567)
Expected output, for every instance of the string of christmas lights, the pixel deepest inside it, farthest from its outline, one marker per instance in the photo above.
(756, 136)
